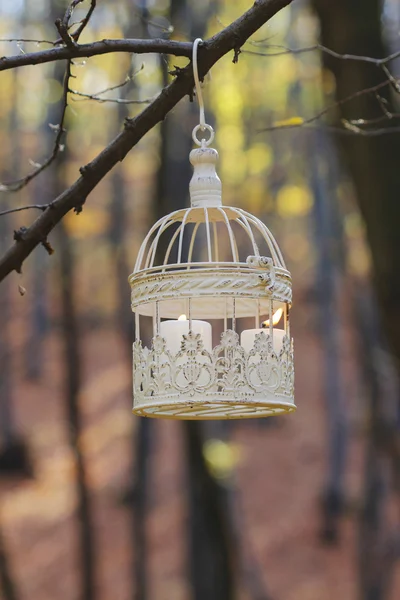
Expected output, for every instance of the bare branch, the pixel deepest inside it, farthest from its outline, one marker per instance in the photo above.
(111, 100)
(111, 88)
(233, 36)
(386, 113)
(68, 13)
(285, 50)
(105, 46)
(349, 129)
(82, 24)
(300, 122)
(65, 37)
(395, 82)
(147, 21)
(20, 208)
(97, 95)
(27, 40)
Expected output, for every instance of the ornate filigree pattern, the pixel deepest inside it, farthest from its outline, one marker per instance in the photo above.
(226, 372)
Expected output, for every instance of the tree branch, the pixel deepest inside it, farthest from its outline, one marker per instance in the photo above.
(20, 208)
(84, 21)
(352, 126)
(97, 96)
(66, 25)
(27, 40)
(230, 38)
(283, 50)
(105, 46)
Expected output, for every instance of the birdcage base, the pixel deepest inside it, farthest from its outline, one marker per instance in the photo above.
(212, 410)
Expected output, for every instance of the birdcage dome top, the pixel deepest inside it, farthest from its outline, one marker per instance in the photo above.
(208, 251)
(213, 235)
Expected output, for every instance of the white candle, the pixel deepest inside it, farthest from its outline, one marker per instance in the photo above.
(248, 336)
(173, 332)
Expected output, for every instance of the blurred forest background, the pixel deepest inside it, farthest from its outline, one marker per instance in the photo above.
(97, 504)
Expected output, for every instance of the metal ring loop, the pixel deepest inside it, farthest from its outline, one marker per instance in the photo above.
(203, 142)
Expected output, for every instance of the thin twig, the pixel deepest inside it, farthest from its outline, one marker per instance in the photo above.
(27, 40)
(63, 25)
(68, 13)
(111, 88)
(324, 111)
(97, 95)
(111, 100)
(147, 21)
(369, 132)
(14, 210)
(285, 50)
(347, 129)
(84, 21)
(395, 82)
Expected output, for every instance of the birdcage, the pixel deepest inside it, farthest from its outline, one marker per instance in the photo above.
(212, 282)
(211, 296)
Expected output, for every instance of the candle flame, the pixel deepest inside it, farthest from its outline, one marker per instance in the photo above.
(276, 317)
(182, 318)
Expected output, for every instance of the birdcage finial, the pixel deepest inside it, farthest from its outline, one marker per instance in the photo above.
(205, 185)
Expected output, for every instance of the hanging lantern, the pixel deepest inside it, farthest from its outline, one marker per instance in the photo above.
(211, 285)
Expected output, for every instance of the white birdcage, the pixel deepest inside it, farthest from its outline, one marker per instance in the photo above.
(213, 283)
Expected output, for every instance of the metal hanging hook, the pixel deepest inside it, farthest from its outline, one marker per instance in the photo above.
(202, 119)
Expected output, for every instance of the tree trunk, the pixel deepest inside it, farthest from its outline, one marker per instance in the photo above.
(72, 362)
(375, 555)
(211, 537)
(329, 322)
(14, 456)
(8, 588)
(354, 26)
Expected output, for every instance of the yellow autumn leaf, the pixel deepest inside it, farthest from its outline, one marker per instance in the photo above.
(292, 121)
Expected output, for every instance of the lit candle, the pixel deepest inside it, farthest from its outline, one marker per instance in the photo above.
(248, 335)
(173, 332)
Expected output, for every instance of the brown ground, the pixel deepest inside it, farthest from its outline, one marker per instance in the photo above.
(279, 479)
